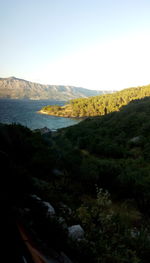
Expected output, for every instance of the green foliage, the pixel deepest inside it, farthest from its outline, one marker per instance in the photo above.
(108, 237)
(108, 149)
(99, 105)
(111, 152)
(52, 109)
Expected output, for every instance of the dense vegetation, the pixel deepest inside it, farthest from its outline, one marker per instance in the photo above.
(98, 105)
(100, 169)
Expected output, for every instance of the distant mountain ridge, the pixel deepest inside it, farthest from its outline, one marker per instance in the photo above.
(15, 88)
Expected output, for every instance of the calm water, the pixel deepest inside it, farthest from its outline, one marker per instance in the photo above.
(25, 113)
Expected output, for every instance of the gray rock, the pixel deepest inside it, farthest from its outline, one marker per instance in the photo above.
(135, 139)
(43, 130)
(50, 209)
(35, 197)
(134, 232)
(76, 232)
(57, 172)
(63, 223)
(65, 258)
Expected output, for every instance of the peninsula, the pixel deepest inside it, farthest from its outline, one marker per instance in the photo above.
(97, 105)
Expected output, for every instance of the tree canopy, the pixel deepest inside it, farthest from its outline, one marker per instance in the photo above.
(99, 105)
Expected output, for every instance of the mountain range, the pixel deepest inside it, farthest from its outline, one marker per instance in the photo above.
(15, 88)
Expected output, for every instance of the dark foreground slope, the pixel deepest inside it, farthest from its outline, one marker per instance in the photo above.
(95, 174)
(113, 145)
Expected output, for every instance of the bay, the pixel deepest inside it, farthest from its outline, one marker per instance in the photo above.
(26, 113)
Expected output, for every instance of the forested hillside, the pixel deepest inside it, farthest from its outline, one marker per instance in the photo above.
(96, 174)
(98, 105)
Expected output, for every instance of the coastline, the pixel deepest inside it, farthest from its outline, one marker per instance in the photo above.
(42, 112)
(61, 115)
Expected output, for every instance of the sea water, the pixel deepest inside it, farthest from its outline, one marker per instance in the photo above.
(26, 113)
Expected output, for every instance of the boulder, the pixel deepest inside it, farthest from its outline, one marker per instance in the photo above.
(135, 139)
(50, 209)
(76, 232)
(63, 223)
(35, 197)
(64, 258)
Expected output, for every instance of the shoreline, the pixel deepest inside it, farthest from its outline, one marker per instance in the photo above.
(42, 112)
(62, 116)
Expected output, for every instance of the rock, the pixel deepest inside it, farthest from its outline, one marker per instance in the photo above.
(50, 209)
(43, 130)
(65, 209)
(27, 210)
(135, 139)
(61, 220)
(57, 172)
(134, 232)
(65, 259)
(76, 232)
(35, 197)
(63, 223)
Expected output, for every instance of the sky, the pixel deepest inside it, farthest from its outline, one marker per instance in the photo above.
(94, 44)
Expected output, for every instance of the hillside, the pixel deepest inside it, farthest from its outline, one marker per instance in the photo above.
(15, 88)
(98, 105)
(107, 150)
(96, 175)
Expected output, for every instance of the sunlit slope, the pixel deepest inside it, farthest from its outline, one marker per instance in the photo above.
(98, 105)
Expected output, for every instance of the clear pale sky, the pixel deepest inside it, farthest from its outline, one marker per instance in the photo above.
(96, 44)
